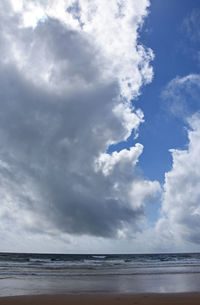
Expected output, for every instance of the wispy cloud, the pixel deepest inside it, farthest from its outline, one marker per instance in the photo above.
(181, 95)
(191, 33)
(191, 25)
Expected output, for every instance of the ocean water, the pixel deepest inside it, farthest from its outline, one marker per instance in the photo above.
(22, 274)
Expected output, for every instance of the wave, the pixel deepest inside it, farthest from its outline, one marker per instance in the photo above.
(87, 273)
(17, 260)
(39, 260)
(99, 256)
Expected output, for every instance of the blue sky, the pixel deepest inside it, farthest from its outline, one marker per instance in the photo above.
(79, 80)
(163, 31)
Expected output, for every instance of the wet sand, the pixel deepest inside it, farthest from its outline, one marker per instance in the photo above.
(108, 299)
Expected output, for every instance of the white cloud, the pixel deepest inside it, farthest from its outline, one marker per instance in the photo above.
(107, 162)
(178, 224)
(180, 219)
(112, 26)
(130, 119)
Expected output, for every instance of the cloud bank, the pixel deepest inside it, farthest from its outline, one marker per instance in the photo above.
(180, 211)
(69, 70)
(181, 199)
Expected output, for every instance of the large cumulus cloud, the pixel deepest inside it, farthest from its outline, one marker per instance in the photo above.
(180, 213)
(64, 99)
(181, 201)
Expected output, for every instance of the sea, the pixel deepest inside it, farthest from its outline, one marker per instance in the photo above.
(30, 274)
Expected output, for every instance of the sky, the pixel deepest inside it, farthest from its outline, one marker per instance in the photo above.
(100, 126)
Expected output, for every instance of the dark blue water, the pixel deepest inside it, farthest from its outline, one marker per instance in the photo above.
(101, 259)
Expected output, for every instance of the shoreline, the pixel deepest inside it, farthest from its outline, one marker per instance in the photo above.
(191, 298)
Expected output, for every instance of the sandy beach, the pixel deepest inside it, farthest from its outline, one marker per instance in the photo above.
(99, 299)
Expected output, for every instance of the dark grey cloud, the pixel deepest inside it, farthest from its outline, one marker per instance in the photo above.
(49, 142)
